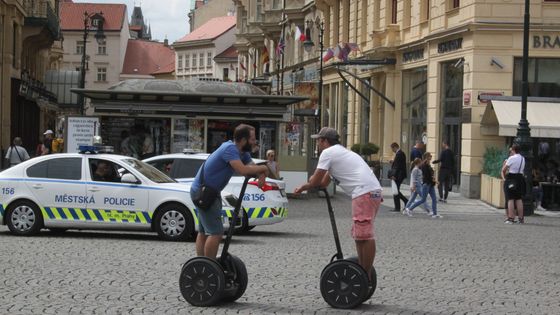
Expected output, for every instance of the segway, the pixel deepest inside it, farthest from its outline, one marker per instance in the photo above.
(205, 281)
(344, 283)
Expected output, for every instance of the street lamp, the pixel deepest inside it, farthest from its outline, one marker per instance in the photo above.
(92, 21)
(523, 138)
(308, 46)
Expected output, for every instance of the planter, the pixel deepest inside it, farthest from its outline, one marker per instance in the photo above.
(485, 188)
(498, 197)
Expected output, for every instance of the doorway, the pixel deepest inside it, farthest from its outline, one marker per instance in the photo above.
(451, 110)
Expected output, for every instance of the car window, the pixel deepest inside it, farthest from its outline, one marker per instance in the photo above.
(186, 168)
(61, 168)
(163, 165)
(104, 171)
(149, 171)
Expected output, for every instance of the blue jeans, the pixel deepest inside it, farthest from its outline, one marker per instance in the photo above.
(416, 193)
(427, 189)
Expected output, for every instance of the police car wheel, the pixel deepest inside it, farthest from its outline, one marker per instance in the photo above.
(174, 223)
(239, 279)
(202, 281)
(373, 284)
(24, 218)
(344, 284)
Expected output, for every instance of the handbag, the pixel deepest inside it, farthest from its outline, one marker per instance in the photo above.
(206, 195)
(394, 188)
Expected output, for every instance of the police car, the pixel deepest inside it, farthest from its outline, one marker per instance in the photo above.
(97, 191)
(266, 205)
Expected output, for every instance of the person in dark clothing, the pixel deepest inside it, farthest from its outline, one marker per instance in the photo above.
(428, 184)
(416, 151)
(446, 170)
(398, 174)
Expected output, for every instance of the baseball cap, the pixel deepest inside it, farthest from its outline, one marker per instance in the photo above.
(48, 132)
(327, 133)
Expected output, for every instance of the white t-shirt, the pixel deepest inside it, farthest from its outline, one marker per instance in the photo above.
(349, 169)
(516, 164)
(13, 156)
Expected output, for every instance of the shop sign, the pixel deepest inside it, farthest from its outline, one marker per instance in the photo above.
(483, 95)
(466, 98)
(413, 55)
(545, 41)
(80, 131)
(449, 46)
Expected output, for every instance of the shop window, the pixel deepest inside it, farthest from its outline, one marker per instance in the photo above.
(414, 114)
(542, 77)
(187, 134)
(102, 74)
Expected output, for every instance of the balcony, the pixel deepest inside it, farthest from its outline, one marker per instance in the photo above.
(40, 13)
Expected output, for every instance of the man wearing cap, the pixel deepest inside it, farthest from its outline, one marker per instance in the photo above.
(47, 144)
(357, 180)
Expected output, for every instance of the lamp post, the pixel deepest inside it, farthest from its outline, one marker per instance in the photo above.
(92, 21)
(308, 46)
(523, 137)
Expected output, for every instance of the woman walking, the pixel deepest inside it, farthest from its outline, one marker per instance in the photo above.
(428, 187)
(415, 185)
(512, 173)
(272, 163)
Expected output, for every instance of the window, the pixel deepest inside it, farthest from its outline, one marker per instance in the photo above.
(104, 171)
(424, 11)
(455, 4)
(180, 63)
(201, 60)
(102, 74)
(194, 61)
(187, 62)
(63, 168)
(276, 4)
(225, 74)
(14, 46)
(79, 47)
(394, 12)
(102, 48)
(186, 168)
(209, 60)
(259, 12)
(542, 77)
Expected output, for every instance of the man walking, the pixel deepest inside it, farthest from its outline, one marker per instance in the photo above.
(16, 153)
(230, 157)
(446, 169)
(358, 181)
(398, 174)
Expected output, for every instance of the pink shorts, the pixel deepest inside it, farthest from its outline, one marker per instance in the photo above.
(364, 210)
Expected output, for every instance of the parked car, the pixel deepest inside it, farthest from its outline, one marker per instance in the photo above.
(96, 191)
(266, 205)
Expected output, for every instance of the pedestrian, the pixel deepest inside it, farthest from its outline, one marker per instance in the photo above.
(512, 173)
(428, 187)
(415, 185)
(446, 170)
(123, 146)
(543, 151)
(357, 180)
(398, 174)
(272, 163)
(416, 152)
(215, 173)
(147, 145)
(16, 153)
(47, 143)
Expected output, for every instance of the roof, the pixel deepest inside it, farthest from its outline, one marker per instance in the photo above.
(211, 29)
(231, 52)
(72, 15)
(147, 57)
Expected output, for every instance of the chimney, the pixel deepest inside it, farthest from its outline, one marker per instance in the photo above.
(166, 42)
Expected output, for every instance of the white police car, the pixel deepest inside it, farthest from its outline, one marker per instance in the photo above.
(96, 191)
(266, 205)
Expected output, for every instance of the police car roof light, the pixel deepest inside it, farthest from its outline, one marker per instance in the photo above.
(94, 149)
(191, 151)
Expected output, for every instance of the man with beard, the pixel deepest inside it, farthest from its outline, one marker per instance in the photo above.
(357, 180)
(230, 157)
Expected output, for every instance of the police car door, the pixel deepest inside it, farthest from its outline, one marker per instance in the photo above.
(116, 204)
(58, 185)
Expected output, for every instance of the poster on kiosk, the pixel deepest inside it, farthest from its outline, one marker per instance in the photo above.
(80, 131)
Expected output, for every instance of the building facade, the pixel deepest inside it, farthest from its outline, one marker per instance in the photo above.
(28, 32)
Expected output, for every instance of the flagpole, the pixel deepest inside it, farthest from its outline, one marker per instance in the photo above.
(283, 35)
(320, 105)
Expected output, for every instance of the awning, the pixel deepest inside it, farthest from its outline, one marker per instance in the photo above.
(501, 117)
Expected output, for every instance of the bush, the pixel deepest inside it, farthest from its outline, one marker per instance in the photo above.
(492, 161)
(366, 149)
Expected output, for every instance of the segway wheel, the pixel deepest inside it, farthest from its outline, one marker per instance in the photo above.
(238, 280)
(344, 284)
(202, 281)
(373, 284)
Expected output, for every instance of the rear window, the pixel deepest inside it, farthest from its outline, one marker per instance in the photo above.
(62, 168)
(185, 168)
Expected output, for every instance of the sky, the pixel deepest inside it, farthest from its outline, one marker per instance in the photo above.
(167, 18)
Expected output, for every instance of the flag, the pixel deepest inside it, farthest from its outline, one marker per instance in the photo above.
(328, 55)
(242, 66)
(280, 46)
(299, 35)
(343, 52)
(353, 46)
(264, 57)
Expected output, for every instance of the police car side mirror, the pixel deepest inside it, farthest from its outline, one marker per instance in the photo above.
(130, 179)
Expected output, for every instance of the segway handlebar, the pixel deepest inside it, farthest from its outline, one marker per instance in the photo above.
(338, 254)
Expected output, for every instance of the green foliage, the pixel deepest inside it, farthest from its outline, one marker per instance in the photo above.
(493, 160)
(366, 149)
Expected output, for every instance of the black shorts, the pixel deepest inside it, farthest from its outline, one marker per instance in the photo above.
(518, 180)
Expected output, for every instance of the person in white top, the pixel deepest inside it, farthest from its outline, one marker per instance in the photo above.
(357, 180)
(512, 173)
(16, 153)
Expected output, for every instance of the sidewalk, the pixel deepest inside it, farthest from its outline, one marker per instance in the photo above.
(455, 204)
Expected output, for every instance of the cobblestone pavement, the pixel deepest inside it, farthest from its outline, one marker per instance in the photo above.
(469, 262)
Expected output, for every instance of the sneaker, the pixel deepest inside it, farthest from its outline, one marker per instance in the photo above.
(444, 200)
(509, 221)
(540, 208)
(436, 216)
(520, 220)
(407, 212)
(440, 200)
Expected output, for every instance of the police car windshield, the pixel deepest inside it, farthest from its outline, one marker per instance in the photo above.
(149, 171)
